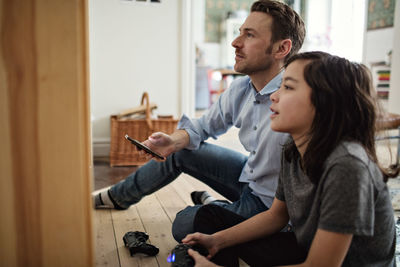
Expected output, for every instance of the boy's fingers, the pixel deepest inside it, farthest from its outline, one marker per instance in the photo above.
(193, 253)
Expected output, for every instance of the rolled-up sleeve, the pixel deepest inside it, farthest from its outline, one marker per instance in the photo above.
(187, 124)
(216, 121)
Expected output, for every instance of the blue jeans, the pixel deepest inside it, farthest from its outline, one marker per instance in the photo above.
(218, 167)
(246, 206)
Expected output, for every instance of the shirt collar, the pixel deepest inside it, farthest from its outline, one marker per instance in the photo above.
(268, 89)
(273, 85)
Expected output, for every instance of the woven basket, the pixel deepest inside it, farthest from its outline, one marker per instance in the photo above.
(122, 152)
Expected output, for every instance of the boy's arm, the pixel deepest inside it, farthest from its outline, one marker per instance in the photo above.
(262, 224)
(328, 249)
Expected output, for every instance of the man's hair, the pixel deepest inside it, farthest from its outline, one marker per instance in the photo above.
(345, 109)
(286, 24)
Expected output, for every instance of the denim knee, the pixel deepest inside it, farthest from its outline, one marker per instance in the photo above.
(183, 223)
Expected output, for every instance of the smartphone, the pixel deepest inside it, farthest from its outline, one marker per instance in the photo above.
(143, 147)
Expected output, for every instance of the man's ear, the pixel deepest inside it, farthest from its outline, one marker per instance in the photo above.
(282, 48)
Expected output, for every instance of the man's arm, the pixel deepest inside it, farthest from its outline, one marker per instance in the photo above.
(180, 139)
(217, 119)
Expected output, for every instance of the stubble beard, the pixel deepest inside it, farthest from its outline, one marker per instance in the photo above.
(252, 69)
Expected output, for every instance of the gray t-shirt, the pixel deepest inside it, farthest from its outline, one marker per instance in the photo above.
(350, 198)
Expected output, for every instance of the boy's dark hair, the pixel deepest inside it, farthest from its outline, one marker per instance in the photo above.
(287, 24)
(345, 109)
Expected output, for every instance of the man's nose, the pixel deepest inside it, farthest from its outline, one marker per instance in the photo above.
(237, 42)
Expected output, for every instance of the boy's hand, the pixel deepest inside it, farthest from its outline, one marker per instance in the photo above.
(207, 241)
(200, 261)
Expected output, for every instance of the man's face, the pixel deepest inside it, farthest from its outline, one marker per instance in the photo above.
(253, 46)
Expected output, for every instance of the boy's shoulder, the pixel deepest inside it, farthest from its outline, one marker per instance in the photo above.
(353, 157)
(348, 149)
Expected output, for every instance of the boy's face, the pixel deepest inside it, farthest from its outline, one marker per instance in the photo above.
(292, 110)
(253, 48)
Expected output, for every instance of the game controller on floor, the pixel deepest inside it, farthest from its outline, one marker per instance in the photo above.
(136, 243)
(179, 256)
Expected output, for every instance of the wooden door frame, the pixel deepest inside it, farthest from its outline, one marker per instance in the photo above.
(187, 68)
(45, 155)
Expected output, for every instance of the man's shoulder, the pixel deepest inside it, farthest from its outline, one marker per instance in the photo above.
(239, 87)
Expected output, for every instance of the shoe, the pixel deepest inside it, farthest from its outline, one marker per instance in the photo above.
(103, 200)
(203, 197)
(197, 196)
(99, 203)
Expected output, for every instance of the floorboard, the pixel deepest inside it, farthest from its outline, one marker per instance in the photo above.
(129, 221)
(158, 225)
(105, 244)
(171, 201)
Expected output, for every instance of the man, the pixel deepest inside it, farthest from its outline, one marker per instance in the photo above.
(271, 33)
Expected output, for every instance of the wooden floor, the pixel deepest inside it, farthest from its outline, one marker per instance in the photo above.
(154, 215)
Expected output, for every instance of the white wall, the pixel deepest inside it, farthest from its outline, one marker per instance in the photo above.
(394, 96)
(134, 47)
(377, 44)
(199, 6)
(317, 22)
(347, 30)
(334, 29)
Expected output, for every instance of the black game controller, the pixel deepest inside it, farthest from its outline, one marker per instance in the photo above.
(136, 242)
(179, 256)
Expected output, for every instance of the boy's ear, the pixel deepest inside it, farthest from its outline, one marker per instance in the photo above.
(282, 48)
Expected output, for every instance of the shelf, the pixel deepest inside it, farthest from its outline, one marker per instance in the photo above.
(381, 79)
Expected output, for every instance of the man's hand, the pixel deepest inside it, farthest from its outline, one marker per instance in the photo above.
(160, 143)
(199, 260)
(165, 144)
(207, 241)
